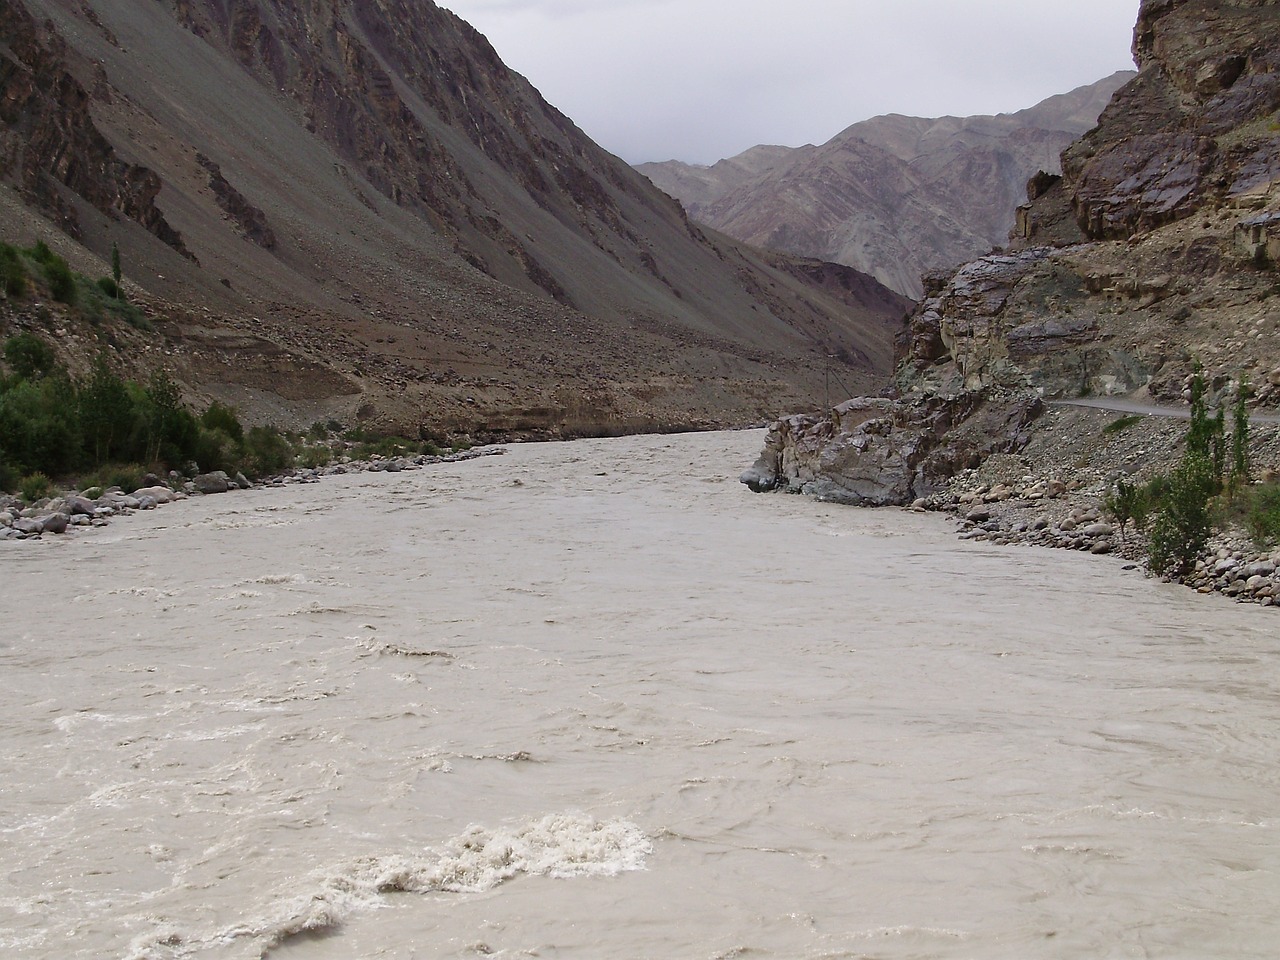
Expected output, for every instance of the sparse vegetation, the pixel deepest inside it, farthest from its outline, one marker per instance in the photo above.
(1261, 510)
(1203, 491)
(1129, 502)
(1120, 424)
(13, 275)
(109, 431)
(35, 486)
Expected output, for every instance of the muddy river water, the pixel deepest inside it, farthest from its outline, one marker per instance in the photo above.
(597, 700)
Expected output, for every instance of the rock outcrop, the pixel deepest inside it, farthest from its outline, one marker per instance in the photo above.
(878, 452)
(1195, 129)
(50, 144)
(1153, 251)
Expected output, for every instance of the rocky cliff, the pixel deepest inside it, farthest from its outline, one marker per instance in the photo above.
(893, 196)
(340, 208)
(1152, 252)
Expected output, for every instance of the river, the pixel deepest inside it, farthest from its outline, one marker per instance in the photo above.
(597, 700)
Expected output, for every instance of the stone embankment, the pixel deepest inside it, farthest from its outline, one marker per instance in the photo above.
(65, 513)
(1069, 516)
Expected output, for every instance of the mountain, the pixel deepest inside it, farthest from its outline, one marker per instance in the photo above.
(1153, 255)
(893, 196)
(352, 208)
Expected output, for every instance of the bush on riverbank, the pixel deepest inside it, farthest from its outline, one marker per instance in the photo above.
(107, 431)
(110, 431)
(1207, 491)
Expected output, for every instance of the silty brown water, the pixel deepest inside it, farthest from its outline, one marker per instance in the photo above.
(597, 700)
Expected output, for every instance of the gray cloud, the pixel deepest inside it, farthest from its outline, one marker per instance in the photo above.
(698, 80)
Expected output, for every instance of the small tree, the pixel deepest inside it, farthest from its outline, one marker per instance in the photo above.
(106, 411)
(115, 270)
(1128, 501)
(1240, 439)
(1182, 525)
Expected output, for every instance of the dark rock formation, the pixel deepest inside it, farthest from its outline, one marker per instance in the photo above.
(49, 143)
(251, 221)
(1194, 129)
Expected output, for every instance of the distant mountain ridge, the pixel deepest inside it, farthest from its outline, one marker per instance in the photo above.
(893, 196)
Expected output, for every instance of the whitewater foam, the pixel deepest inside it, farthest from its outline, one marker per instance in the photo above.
(560, 846)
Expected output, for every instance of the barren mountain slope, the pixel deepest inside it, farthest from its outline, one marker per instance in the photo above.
(346, 206)
(894, 196)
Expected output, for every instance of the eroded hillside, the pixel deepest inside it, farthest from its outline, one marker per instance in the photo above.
(354, 209)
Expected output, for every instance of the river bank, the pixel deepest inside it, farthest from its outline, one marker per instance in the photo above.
(72, 509)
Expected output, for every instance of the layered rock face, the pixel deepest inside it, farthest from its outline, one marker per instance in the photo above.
(1195, 129)
(1153, 251)
(893, 196)
(875, 452)
(354, 209)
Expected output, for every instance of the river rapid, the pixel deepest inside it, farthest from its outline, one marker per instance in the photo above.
(597, 700)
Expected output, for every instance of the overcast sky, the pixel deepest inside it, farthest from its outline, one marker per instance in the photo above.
(698, 80)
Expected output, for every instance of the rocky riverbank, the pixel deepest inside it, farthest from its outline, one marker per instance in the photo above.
(1052, 493)
(1044, 487)
(1070, 516)
(71, 510)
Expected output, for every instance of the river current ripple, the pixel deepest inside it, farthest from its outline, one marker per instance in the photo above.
(597, 700)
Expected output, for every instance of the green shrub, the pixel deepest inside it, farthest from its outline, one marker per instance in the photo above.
(1129, 501)
(28, 356)
(39, 426)
(214, 450)
(1183, 518)
(126, 476)
(109, 288)
(221, 417)
(1121, 424)
(35, 486)
(266, 452)
(62, 282)
(391, 447)
(13, 275)
(1262, 514)
(315, 455)
(41, 253)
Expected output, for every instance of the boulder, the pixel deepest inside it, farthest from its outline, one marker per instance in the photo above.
(54, 523)
(215, 482)
(159, 493)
